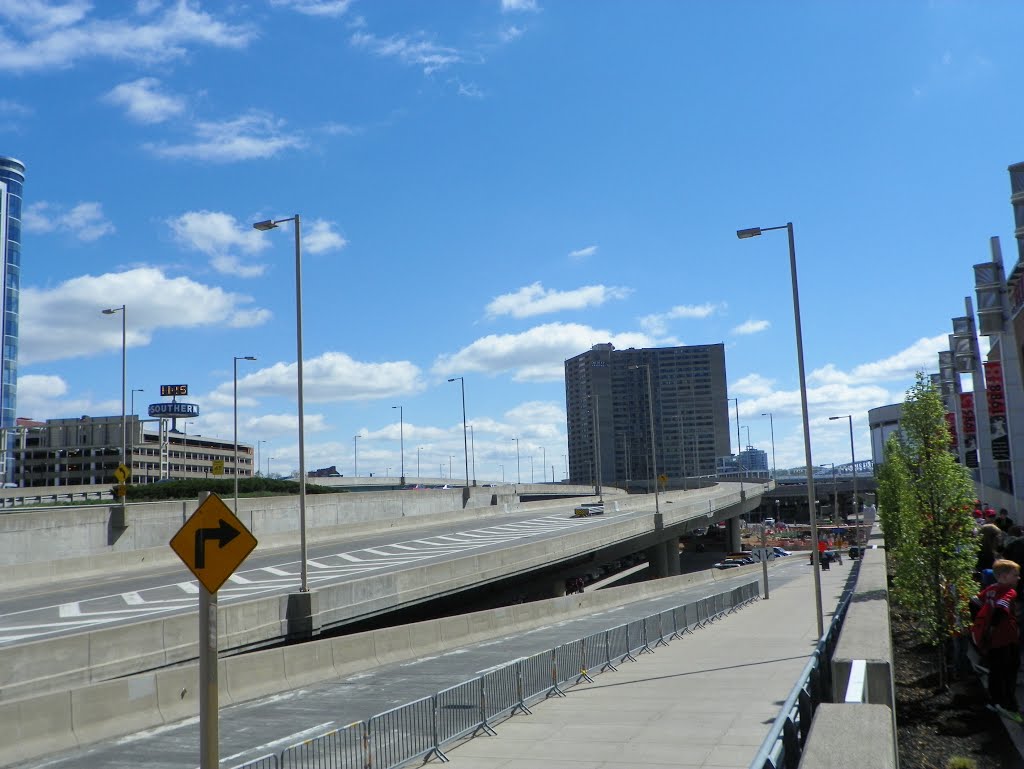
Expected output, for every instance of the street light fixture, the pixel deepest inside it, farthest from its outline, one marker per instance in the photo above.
(124, 350)
(401, 440)
(753, 232)
(853, 466)
(771, 425)
(235, 362)
(465, 445)
(263, 226)
(650, 414)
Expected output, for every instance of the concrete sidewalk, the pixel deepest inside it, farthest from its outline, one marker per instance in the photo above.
(706, 700)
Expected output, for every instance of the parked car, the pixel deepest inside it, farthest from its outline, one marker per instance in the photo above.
(729, 563)
(745, 558)
(781, 552)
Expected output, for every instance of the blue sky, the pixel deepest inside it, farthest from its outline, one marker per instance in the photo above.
(488, 187)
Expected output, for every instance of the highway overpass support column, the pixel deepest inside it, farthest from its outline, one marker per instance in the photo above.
(303, 616)
(672, 557)
(733, 535)
(657, 560)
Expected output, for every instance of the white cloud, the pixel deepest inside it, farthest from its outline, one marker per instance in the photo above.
(415, 51)
(144, 102)
(656, 324)
(536, 355)
(752, 384)
(281, 424)
(319, 236)
(39, 35)
(509, 6)
(315, 7)
(46, 396)
(217, 235)
(84, 221)
(922, 355)
(65, 321)
(334, 376)
(583, 253)
(536, 300)
(751, 327)
(247, 137)
(511, 32)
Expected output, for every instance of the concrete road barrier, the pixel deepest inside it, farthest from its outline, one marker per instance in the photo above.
(46, 723)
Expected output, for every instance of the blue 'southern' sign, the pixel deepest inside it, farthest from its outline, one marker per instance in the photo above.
(173, 409)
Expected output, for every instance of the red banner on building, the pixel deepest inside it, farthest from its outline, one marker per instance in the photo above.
(970, 429)
(997, 410)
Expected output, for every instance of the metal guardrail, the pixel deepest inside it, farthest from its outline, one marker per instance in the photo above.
(784, 745)
(420, 729)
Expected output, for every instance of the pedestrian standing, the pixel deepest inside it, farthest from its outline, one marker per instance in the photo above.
(995, 633)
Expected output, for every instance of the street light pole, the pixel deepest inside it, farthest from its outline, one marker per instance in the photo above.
(401, 440)
(519, 475)
(472, 451)
(259, 455)
(235, 362)
(752, 233)
(465, 446)
(263, 226)
(134, 390)
(650, 414)
(771, 425)
(355, 455)
(124, 356)
(418, 449)
(853, 467)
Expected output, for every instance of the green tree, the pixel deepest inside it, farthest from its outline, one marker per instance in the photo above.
(936, 549)
(893, 483)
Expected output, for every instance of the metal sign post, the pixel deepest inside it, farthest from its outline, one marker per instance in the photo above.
(209, 686)
(212, 543)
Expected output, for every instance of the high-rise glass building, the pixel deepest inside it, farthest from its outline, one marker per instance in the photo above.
(12, 180)
(609, 414)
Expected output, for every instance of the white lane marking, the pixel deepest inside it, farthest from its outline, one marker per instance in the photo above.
(378, 552)
(133, 598)
(348, 557)
(69, 610)
(239, 580)
(277, 572)
(403, 547)
(290, 739)
(189, 587)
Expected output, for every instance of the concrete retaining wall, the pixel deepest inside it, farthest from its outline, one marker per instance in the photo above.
(860, 734)
(48, 723)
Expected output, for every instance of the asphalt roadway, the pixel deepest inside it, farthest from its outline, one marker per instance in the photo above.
(273, 723)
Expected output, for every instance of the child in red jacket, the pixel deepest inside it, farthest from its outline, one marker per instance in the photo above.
(995, 634)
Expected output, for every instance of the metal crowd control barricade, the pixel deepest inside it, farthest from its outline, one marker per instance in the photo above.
(268, 761)
(536, 676)
(635, 641)
(501, 691)
(338, 749)
(569, 663)
(457, 710)
(403, 734)
(595, 654)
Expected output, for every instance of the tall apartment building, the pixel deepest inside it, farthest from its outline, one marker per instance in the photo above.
(12, 180)
(608, 412)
